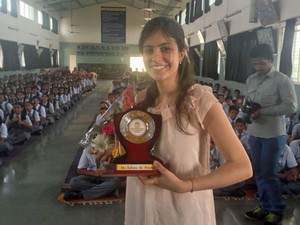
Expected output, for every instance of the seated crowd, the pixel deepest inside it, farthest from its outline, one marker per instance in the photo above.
(31, 102)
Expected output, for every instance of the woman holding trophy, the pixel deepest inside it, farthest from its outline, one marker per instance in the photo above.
(191, 115)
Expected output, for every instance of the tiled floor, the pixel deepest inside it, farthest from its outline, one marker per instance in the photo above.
(30, 183)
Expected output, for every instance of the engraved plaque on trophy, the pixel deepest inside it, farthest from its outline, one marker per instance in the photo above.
(138, 132)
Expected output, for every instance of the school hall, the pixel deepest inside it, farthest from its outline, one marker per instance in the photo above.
(74, 52)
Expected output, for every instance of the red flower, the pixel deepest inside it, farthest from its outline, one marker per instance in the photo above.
(108, 129)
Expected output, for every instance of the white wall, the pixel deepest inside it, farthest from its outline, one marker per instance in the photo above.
(88, 24)
(25, 31)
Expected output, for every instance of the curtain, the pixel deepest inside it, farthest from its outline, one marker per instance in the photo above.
(218, 2)
(199, 9)
(192, 14)
(10, 55)
(31, 57)
(195, 59)
(286, 64)
(210, 61)
(4, 6)
(45, 58)
(187, 13)
(55, 26)
(14, 9)
(238, 65)
(46, 21)
(55, 63)
(206, 6)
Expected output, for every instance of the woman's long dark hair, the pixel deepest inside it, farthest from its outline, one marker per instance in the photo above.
(170, 28)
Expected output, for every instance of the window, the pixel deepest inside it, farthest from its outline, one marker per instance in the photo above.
(296, 56)
(8, 5)
(58, 58)
(137, 64)
(26, 10)
(23, 63)
(40, 17)
(211, 2)
(183, 15)
(51, 24)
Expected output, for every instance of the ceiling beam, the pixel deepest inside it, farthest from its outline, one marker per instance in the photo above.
(79, 3)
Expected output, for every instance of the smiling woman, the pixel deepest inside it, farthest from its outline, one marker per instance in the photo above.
(182, 193)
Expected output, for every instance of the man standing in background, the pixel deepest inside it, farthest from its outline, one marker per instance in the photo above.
(275, 93)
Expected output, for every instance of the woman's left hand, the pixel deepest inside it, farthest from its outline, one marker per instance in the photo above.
(166, 180)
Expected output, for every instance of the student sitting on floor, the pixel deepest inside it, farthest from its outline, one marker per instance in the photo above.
(240, 130)
(63, 99)
(295, 147)
(227, 104)
(19, 125)
(12, 98)
(5, 146)
(57, 111)
(288, 172)
(295, 135)
(40, 109)
(5, 106)
(21, 97)
(36, 127)
(102, 110)
(232, 115)
(50, 113)
(216, 160)
(89, 184)
(110, 98)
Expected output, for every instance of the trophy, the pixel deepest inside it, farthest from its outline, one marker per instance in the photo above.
(137, 131)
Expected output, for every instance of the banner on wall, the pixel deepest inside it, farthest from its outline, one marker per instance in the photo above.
(101, 50)
(113, 24)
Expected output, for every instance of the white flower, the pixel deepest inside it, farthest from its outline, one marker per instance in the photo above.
(101, 143)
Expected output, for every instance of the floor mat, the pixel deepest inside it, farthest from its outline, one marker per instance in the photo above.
(99, 201)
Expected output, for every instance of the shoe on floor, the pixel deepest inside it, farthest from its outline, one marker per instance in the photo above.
(272, 219)
(72, 195)
(256, 214)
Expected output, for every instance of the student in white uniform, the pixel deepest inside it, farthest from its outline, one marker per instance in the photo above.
(288, 172)
(5, 146)
(19, 125)
(295, 147)
(216, 160)
(36, 127)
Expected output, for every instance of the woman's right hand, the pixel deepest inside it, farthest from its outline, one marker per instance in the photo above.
(167, 180)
